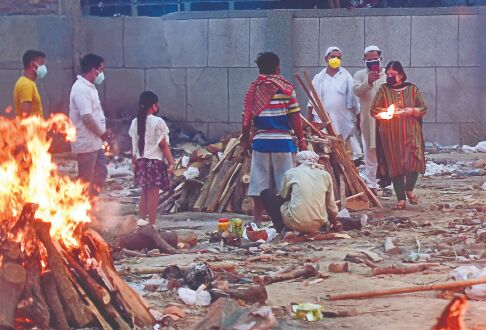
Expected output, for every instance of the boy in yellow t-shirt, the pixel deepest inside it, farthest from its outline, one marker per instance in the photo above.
(27, 100)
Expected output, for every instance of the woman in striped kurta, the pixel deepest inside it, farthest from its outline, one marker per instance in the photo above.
(400, 138)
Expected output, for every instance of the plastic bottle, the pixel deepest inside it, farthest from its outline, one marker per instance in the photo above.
(223, 224)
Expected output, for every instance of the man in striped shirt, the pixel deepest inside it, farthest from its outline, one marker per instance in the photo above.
(270, 119)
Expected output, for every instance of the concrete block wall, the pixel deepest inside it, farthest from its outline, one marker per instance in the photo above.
(200, 64)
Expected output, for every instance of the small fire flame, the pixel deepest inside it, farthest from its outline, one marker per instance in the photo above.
(388, 114)
(28, 174)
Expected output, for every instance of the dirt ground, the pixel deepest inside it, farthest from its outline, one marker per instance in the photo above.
(445, 223)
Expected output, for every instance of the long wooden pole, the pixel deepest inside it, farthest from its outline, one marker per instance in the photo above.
(418, 288)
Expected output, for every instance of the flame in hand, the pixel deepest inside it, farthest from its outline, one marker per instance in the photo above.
(388, 114)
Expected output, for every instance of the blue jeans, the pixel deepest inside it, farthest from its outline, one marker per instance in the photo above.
(92, 168)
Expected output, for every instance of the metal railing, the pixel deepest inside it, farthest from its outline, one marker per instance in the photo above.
(162, 7)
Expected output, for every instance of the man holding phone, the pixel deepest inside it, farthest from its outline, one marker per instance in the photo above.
(366, 84)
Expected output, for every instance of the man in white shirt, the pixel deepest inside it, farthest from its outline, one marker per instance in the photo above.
(334, 85)
(87, 116)
(366, 84)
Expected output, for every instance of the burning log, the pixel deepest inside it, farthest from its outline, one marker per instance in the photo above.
(53, 300)
(33, 306)
(76, 311)
(124, 295)
(12, 282)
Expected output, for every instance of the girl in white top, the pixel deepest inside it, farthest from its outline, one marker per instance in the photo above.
(150, 153)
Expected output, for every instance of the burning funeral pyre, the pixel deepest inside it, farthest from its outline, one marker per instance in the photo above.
(55, 272)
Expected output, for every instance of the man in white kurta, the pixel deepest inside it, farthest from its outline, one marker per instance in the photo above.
(334, 85)
(366, 84)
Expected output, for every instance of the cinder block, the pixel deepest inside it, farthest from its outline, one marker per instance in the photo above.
(229, 42)
(19, 33)
(170, 86)
(444, 134)
(425, 80)
(55, 38)
(217, 130)
(239, 80)
(123, 87)
(144, 45)
(207, 95)
(305, 41)
(434, 40)
(258, 28)
(103, 37)
(473, 133)
(347, 33)
(7, 84)
(187, 42)
(55, 89)
(469, 41)
(458, 95)
(393, 42)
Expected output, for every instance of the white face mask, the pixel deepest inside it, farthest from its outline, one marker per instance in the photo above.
(41, 71)
(99, 78)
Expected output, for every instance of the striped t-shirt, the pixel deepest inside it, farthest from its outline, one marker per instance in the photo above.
(273, 127)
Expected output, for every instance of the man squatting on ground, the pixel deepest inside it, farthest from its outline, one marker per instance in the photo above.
(270, 114)
(306, 199)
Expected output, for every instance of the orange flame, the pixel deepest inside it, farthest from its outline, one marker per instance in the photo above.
(28, 174)
(388, 114)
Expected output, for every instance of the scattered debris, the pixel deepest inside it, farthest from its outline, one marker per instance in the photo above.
(309, 312)
(199, 297)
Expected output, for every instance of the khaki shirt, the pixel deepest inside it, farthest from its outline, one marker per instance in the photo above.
(366, 94)
(310, 198)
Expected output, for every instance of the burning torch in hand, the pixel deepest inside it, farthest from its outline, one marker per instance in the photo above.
(107, 138)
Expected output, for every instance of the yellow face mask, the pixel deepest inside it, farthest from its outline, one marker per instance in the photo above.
(334, 63)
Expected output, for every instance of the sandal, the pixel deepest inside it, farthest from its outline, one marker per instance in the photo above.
(413, 199)
(399, 206)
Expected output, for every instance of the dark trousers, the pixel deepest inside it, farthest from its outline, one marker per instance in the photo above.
(92, 168)
(272, 203)
(404, 183)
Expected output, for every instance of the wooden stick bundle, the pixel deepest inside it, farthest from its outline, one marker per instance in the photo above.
(347, 168)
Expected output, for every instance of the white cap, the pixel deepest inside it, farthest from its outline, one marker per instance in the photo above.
(307, 157)
(330, 49)
(371, 48)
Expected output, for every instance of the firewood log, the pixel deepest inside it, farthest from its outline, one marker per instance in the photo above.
(76, 311)
(307, 271)
(32, 305)
(12, 282)
(403, 270)
(220, 181)
(228, 152)
(98, 292)
(199, 205)
(242, 186)
(58, 318)
(103, 322)
(131, 302)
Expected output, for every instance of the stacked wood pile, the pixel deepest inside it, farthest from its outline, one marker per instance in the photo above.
(46, 285)
(225, 172)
